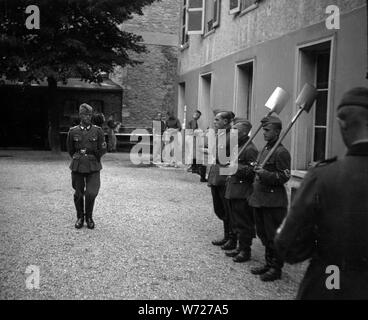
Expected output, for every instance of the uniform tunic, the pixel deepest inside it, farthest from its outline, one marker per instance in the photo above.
(269, 199)
(218, 188)
(238, 191)
(328, 221)
(86, 146)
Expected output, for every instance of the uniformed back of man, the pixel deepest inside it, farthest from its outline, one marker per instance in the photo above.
(217, 182)
(238, 191)
(86, 145)
(269, 197)
(328, 218)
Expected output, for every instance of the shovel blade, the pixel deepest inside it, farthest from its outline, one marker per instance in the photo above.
(278, 100)
(307, 97)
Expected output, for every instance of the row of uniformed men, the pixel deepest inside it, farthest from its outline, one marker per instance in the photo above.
(253, 199)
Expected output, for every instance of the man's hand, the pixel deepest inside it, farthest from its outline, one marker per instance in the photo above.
(259, 171)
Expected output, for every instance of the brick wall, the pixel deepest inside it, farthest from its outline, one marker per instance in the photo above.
(161, 16)
(149, 87)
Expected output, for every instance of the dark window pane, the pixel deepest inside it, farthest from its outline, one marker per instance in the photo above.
(195, 21)
(215, 10)
(319, 144)
(234, 4)
(195, 3)
(321, 108)
(323, 67)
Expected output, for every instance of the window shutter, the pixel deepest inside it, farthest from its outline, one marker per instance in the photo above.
(234, 6)
(195, 17)
(216, 12)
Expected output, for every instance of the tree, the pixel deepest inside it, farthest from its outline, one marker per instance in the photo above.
(76, 38)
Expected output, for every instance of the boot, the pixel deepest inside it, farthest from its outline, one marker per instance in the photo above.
(260, 270)
(232, 253)
(229, 245)
(271, 275)
(90, 223)
(80, 220)
(243, 256)
(202, 173)
(226, 236)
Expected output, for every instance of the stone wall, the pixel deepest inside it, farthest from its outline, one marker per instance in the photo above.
(149, 87)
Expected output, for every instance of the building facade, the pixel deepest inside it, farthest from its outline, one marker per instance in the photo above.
(149, 87)
(234, 53)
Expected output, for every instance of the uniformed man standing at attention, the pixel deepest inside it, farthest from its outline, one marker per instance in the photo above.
(238, 190)
(216, 182)
(328, 218)
(86, 145)
(269, 197)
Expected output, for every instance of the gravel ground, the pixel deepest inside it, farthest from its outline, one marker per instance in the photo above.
(152, 239)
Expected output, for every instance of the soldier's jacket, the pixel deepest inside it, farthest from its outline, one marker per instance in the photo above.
(214, 177)
(91, 139)
(239, 185)
(269, 189)
(328, 220)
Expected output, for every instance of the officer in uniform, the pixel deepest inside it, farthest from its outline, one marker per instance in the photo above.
(238, 190)
(196, 168)
(86, 145)
(269, 197)
(217, 183)
(328, 218)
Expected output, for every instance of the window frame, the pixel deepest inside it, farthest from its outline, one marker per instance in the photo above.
(196, 9)
(235, 9)
(303, 153)
(215, 18)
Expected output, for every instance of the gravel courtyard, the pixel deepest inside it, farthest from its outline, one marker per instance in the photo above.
(152, 239)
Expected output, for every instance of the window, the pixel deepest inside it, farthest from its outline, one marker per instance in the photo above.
(184, 36)
(181, 100)
(243, 89)
(205, 100)
(242, 6)
(234, 6)
(199, 17)
(212, 15)
(195, 17)
(311, 141)
(320, 110)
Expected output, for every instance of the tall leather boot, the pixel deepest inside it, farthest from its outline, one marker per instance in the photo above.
(79, 206)
(231, 243)
(226, 236)
(80, 220)
(202, 173)
(89, 221)
(275, 266)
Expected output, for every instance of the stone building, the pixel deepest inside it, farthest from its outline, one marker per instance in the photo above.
(149, 87)
(234, 53)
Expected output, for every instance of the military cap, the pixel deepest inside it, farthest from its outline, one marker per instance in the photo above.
(85, 108)
(271, 120)
(357, 96)
(242, 120)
